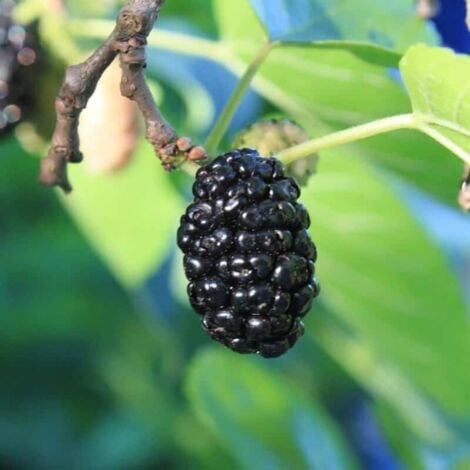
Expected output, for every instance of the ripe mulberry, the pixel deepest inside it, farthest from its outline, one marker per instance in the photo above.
(248, 257)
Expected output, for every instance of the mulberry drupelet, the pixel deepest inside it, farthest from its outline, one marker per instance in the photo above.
(248, 255)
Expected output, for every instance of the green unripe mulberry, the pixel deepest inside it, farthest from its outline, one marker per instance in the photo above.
(271, 136)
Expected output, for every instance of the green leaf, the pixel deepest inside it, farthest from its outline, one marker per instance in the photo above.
(436, 79)
(412, 452)
(199, 12)
(462, 463)
(381, 378)
(376, 32)
(404, 446)
(129, 217)
(387, 281)
(389, 25)
(265, 419)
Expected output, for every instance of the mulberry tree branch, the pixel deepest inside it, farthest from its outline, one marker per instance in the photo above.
(128, 40)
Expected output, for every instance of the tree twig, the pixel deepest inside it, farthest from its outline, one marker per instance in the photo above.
(128, 40)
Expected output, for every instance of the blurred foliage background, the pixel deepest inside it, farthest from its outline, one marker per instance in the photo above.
(103, 365)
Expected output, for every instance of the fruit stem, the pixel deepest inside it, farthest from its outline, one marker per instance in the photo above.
(224, 120)
(388, 124)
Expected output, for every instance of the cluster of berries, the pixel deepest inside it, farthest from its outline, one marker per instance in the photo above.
(248, 255)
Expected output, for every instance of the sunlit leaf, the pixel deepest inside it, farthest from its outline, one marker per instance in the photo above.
(387, 281)
(345, 24)
(436, 79)
(266, 421)
(377, 32)
(129, 216)
(382, 379)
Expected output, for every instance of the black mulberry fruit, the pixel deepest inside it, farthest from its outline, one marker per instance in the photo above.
(248, 255)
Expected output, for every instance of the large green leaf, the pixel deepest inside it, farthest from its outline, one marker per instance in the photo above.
(372, 31)
(404, 446)
(377, 28)
(382, 275)
(265, 419)
(332, 89)
(382, 379)
(128, 216)
(412, 452)
(199, 12)
(437, 80)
